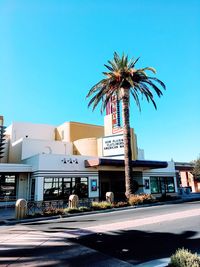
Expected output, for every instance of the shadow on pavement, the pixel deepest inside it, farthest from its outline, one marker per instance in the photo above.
(137, 247)
(62, 254)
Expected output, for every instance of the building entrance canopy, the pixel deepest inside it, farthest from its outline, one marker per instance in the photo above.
(139, 164)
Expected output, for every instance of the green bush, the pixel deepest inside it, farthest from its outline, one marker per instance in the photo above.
(101, 205)
(71, 210)
(83, 208)
(184, 258)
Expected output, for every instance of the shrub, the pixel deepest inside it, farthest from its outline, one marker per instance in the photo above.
(53, 211)
(184, 258)
(101, 205)
(147, 198)
(140, 199)
(135, 200)
(71, 210)
(120, 204)
(83, 208)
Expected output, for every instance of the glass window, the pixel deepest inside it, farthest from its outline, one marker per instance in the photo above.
(7, 187)
(32, 189)
(155, 186)
(170, 185)
(162, 185)
(80, 187)
(62, 188)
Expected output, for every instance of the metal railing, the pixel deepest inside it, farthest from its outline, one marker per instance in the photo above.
(7, 201)
(34, 207)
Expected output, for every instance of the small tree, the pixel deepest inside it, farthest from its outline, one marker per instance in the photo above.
(196, 170)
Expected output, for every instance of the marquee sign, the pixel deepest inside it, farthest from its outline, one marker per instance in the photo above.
(113, 145)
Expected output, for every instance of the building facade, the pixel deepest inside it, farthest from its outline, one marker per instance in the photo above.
(45, 162)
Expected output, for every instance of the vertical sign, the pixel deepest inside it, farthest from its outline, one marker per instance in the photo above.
(115, 110)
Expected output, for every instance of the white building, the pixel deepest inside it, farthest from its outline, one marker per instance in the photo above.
(43, 162)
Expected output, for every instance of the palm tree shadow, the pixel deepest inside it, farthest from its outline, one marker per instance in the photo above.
(139, 246)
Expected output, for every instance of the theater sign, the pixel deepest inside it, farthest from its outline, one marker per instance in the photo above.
(113, 145)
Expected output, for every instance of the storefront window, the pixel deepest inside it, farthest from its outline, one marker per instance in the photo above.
(62, 188)
(162, 185)
(170, 185)
(7, 187)
(155, 185)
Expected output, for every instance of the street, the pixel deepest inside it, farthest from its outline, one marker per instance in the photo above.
(122, 238)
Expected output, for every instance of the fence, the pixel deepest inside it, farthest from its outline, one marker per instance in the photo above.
(34, 207)
(7, 201)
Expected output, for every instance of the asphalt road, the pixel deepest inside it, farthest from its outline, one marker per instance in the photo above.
(122, 217)
(136, 236)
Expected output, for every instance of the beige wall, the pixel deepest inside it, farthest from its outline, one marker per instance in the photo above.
(15, 152)
(72, 131)
(27, 139)
(86, 147)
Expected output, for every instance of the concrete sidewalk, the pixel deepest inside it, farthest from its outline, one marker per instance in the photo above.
(22, 246)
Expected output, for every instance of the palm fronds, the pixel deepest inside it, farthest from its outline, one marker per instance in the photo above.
(122, 74)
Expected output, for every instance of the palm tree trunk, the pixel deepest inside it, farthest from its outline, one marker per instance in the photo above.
(127, 141)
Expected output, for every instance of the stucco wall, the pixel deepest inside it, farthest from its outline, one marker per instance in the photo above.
(72, 131)
(32, 147)
(52, 162)
(15, 152)
(25, 148)
(20, 130)
(87, 147)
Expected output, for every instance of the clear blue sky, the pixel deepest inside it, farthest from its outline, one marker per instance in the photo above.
(52, 52)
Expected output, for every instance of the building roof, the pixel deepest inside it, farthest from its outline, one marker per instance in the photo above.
(15, 168)
(184, 166)
(144, 164)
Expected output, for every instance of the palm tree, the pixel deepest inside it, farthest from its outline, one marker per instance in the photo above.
(124, 80)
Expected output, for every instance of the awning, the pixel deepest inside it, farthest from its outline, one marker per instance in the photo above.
(144, 164)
